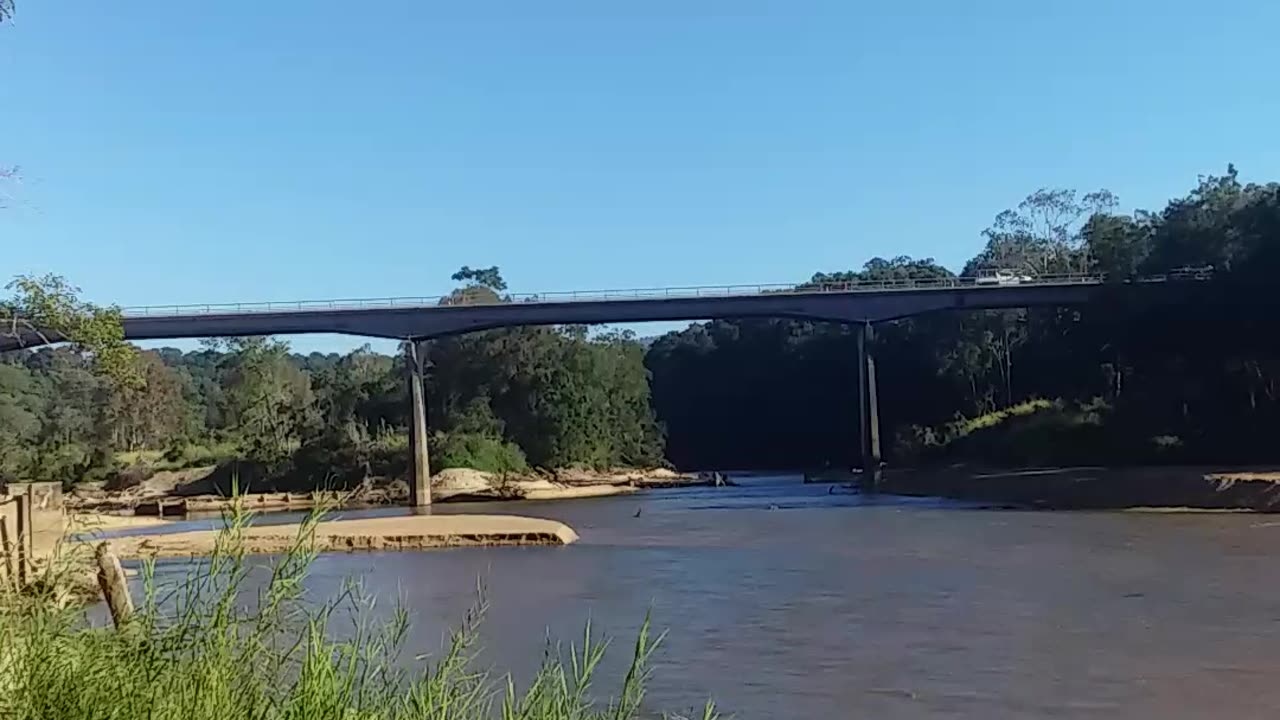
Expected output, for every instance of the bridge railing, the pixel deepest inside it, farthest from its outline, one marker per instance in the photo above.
(707, 291)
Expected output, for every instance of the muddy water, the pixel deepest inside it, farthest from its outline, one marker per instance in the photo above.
(785, 601)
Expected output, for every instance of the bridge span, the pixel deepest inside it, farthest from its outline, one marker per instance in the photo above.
(425, 318)
(416, 320)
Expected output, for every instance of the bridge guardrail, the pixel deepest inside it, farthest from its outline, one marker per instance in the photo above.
(708, 291)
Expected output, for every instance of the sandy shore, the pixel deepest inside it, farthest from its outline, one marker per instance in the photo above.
(48, 533)
(393, 533)
(197, 490)
(569, 493)
(89, 522)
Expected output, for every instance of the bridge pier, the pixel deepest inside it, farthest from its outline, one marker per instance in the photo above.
(868, 411)
(419, 461)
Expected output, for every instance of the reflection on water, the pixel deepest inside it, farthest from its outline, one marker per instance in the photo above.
(788, 601)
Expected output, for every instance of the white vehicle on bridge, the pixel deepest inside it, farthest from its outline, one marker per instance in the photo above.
(991, 276)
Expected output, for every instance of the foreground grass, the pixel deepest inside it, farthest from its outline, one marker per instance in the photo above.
(206, 649)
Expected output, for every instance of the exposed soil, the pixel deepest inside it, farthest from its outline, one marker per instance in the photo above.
(1096, 488)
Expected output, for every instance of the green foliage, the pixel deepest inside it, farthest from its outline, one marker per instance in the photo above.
(561, 396)
(268, 399)
(192, 454)
(966, 426)
(498, 400)
(480, 452)
(49, 307)
(489, 277)
(484, 286)
(196, 651)
(1200, 366)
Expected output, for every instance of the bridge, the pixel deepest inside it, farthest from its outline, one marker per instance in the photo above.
(421, 318)
(417, 319)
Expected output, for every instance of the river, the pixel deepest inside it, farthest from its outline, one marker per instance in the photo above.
(786, 601)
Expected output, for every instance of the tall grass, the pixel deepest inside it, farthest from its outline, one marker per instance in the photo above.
(206, 648)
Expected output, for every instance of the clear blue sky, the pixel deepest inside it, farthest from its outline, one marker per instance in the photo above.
(180, 152)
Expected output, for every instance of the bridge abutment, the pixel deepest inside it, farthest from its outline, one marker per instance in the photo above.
(868, 410)
(419, 460)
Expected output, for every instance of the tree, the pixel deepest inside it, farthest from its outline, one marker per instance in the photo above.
(268, 398)
(1042, 236)
(21, 419)
(48, 308)
(489, 277)
(483, 286)
(153, 414)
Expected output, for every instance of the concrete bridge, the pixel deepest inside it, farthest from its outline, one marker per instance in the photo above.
(415, 320)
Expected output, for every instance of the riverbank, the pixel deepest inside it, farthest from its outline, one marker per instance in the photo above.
(206, 490)
(1095, 488)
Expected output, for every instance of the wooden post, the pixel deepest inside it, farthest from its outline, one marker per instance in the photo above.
(6, 548)
(115, 589)
(25, 545)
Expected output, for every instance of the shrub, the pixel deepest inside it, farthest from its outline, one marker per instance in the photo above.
(190, 455)
(479, 452)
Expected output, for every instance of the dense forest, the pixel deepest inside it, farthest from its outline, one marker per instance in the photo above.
(1115, 381)
(502, 400)
(1192, 378)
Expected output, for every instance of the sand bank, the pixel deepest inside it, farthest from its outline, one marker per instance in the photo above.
(415, 532)
(199, 490)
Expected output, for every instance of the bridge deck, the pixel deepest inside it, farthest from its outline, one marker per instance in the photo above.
(420, 318)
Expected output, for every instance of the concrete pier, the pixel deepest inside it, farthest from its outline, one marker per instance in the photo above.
(868, 410)
(419, 459)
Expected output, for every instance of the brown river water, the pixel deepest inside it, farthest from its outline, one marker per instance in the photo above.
(785, 601)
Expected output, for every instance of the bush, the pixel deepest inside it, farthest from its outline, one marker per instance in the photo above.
(332, 461)
(203, 654)
(190, 455)
(479, 452)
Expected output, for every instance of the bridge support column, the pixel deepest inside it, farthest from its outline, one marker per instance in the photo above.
(868, 411)
(419, 462)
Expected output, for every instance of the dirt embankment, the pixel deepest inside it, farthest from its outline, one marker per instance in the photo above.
(176, 493)
(1096, 488)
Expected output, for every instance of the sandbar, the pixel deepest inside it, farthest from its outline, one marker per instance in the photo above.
(415, 532)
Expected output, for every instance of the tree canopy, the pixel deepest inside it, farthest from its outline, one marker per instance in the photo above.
(500, 400)
(1193, 381)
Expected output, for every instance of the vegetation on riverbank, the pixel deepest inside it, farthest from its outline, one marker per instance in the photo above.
(198, 651)
(502, 401)
(1194, 378)
(207, 489)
